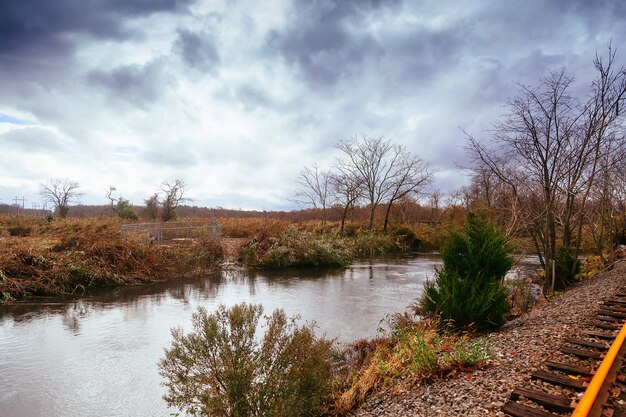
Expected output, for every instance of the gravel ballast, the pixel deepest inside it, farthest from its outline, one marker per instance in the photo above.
(519, 348)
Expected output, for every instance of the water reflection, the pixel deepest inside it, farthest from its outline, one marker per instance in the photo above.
(97, 355)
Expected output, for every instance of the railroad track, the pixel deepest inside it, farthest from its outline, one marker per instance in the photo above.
(590, 377)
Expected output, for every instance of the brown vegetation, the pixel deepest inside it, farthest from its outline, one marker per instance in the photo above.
(410, 352)
(74, 255)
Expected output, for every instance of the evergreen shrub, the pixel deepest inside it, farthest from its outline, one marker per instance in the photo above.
(467, 292)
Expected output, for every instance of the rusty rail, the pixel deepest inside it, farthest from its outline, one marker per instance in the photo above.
(588, 372)
(595, 395)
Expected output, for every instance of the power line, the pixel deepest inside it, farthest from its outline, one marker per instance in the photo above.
(16, 200)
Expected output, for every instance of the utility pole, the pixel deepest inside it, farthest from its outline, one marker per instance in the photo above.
(16, 200)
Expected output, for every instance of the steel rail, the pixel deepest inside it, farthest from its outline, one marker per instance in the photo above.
(590, 396)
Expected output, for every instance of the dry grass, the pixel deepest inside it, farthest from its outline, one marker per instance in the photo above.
(70, 256)
(412, 351)
(249, 227)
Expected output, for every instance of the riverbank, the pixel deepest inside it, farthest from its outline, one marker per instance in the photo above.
(72, 256)
(40, 256)
(518, 349)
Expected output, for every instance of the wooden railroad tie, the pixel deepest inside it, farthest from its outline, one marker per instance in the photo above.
(600, 335)
(592, 344)
(556, 379)
(550, 402)
(587, 343)
(521, 410)
(605, 326)
(581, 353)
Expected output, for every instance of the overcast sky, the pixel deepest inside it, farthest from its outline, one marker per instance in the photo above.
(236, 97)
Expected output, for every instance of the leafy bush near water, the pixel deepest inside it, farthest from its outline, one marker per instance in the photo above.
(223, 368)
(467, 291)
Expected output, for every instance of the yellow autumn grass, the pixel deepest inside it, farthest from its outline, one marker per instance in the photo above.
(73, 255)
(413, 350)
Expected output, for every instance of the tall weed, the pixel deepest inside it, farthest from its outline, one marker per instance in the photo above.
(411, 351)
(295, 248)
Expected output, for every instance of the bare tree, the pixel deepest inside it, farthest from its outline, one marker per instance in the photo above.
(490, 193)
(606, 206)
(373, 161)
(618, 218)
(173, 196)
(548, 151)
(60, 193)
(387, 171)
(315, 189)
(346, 190)
(434, 201)
(410, 177)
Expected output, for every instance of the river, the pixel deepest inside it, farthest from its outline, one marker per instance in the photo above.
(97, 355)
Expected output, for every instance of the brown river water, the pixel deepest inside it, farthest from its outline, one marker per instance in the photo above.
(97, 355)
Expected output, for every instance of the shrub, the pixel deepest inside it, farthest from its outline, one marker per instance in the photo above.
(592, 265)
(522, 298)
(370, 243)
(406, 238)
(223, 368)
(124, 210)
(566, 268)
(467, 291)
(295, 248)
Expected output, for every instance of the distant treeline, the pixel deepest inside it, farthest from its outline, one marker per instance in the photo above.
(407, 211)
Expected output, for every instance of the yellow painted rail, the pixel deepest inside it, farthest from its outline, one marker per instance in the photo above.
(591, 394)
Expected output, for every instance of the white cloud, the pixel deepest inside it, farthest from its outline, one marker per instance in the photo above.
(236, 97)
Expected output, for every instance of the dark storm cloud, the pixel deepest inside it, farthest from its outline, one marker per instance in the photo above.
(36, 31)
(415, 58)
(322, 38)
(198, 50)
(241, 85)
(595, 13)
(138, 84)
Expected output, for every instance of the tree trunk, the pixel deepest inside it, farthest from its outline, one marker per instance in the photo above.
(343, 216)
(387, 215)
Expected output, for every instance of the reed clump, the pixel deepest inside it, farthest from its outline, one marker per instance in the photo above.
(309, 246)
(295, 248)
(367, 243)
(73, 255)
